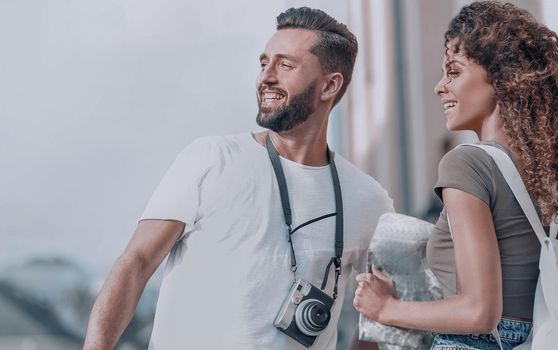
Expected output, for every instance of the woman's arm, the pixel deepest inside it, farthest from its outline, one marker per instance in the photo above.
(478, 306)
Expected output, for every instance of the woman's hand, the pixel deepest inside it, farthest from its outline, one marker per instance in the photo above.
(374, 292)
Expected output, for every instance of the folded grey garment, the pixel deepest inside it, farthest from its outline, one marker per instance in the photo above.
(399, 248)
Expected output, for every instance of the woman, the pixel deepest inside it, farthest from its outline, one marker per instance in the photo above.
(500, 81)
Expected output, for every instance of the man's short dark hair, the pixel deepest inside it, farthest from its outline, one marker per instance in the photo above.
(336, 47)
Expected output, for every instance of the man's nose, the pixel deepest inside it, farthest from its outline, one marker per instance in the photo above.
(268, 75)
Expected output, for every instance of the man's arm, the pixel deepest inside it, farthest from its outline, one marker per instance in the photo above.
(122, 289)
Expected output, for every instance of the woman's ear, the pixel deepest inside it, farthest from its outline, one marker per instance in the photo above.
(332, 86)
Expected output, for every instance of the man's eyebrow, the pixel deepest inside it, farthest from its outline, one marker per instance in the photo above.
(286, 56)
(280, 55)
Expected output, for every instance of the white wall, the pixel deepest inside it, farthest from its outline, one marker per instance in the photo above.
(424, 23)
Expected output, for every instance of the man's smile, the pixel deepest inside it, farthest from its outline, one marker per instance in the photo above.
(270, 99)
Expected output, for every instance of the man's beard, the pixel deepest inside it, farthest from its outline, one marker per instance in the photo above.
(289, 115)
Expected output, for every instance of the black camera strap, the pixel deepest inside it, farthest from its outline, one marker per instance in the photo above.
(280, 175)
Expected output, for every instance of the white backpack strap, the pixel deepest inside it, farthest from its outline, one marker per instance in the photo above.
(510, 173)
(554, 227)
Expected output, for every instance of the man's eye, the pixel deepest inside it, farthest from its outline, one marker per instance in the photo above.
(453, 73)
(262, 65)
(286, 66)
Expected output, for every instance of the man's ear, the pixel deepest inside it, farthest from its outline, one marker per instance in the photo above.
(332, 84)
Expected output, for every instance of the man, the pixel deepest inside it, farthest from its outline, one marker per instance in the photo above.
(219, 208)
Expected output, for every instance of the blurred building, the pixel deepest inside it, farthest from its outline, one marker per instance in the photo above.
(45, 304)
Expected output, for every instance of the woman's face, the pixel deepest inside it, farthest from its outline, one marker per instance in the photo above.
(466, 96)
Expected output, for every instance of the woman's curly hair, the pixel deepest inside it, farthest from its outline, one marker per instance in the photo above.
(520, 57)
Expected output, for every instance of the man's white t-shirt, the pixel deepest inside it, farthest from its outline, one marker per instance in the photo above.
(227, 278)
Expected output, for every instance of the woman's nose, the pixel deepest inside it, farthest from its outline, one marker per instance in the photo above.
(441, 87)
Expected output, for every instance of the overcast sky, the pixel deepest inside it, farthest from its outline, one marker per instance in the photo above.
(97, 98)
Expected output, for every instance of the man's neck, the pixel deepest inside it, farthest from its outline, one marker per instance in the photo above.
(308, 147)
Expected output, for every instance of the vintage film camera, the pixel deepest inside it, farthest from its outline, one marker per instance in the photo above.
(305, 313)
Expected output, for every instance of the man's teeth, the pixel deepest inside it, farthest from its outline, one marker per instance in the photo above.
(271, 96)
(449, 105)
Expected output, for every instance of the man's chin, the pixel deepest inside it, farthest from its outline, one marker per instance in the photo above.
(267, 120)
(267, 114)
(264, 114)
(262, 119)
(266, 111)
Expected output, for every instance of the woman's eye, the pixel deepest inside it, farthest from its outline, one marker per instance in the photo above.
(453, 73)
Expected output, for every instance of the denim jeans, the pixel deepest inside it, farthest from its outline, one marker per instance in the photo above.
(512, 333)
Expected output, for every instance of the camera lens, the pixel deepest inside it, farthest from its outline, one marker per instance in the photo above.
(312, 317)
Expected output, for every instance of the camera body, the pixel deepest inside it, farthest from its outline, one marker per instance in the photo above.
(305, 313)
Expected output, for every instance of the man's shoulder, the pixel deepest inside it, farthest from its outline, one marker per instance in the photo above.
(218, 143)
(361, 184)
(354, 174)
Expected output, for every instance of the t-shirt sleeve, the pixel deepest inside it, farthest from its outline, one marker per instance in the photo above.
(177, 196)
(467, 169)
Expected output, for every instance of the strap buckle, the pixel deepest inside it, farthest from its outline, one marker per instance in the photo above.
(337, 263)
